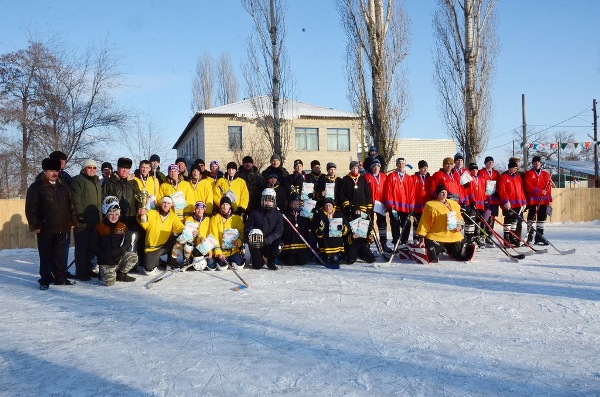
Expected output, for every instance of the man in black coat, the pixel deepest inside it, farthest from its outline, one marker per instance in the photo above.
(50, 213)
(263, 232)
(254, 181)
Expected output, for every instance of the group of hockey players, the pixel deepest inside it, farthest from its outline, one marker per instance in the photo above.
(213, 219)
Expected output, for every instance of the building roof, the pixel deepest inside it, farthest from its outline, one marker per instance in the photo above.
(585, 167)
(291, 110)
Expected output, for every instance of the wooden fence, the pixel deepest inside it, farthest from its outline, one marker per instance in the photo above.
(569, 205)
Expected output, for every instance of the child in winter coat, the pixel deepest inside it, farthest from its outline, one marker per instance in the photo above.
(111, 242)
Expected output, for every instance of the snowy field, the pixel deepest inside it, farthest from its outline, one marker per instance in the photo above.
(490, 327)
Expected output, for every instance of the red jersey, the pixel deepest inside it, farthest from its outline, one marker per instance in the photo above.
(535, 184)
(476, 192)
(510, 189)
(492, 175)
(399, 192)
(421, 193)
(451, 181)
(376, 184)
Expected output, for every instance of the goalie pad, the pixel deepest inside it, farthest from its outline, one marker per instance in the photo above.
(199, 263)
(187, 250)
(404, 252)
(418, 254)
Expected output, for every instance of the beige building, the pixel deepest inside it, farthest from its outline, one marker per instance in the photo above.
(230, 132)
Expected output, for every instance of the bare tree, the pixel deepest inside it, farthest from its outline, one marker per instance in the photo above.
(80, 114)
(227, 84)
(20, 99)
(268, 79)
(203, 83)
(145, 138)
(465, 52)
(255, 147)
(51, 100)
(378, 43)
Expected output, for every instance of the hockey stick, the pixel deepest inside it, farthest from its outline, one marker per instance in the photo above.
(562, 252)
(406, 223)
(526, 243)
(307, 244)
(169, 274)
(512, 257)
(70, 264)
(376, 238)
(502, 239)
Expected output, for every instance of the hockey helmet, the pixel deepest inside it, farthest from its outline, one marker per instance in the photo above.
(268, 198)
(110, 204)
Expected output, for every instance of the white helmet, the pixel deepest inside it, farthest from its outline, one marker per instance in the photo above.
(255, 238)
(199, 263)
(109, 204)
(268, 198)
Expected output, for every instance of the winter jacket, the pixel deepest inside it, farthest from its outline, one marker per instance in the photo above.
(255, 183)
(238, 187)
(110, 242)
(199, 191)
(279, 171)
(87, 198)
(218, 224)
(434, 221)
(451, 181)
(128, 192)
(158, 230)
(49, 207)
(294, 183)
(149, 184)
(203, 227)
(476, 193)
(269, 221)
(376, 183)
(167, 188)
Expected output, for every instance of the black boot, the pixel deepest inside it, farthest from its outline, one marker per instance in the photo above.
(124, 277)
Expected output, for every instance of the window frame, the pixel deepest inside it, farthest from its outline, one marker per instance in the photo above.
(301, 133)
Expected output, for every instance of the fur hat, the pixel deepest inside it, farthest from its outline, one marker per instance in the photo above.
(57, 154)
(439, 188)
(51, 164)
(422, 163)
(124, 162)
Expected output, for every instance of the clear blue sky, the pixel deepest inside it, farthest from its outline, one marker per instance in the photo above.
(550, 51)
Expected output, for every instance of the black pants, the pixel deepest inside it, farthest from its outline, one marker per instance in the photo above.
(460, 251)
(51, 248)
(359, 249)
(271, 251)
(397, 227)
(153, 257)
(83, 252)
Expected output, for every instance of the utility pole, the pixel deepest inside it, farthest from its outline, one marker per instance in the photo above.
(596, 179)
(525, 151)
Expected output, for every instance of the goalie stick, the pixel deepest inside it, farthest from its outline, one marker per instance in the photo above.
(512, 257)
(525, 242)
(562, 252)
(308, 245)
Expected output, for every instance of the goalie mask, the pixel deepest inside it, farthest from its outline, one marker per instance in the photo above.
(255, 238)
(268, 198)
(110, 204)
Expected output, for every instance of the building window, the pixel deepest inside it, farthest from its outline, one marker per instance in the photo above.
(235, 138)
(307, 139)
(338, 139)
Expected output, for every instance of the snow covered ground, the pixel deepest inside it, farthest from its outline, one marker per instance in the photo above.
(490, 327)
